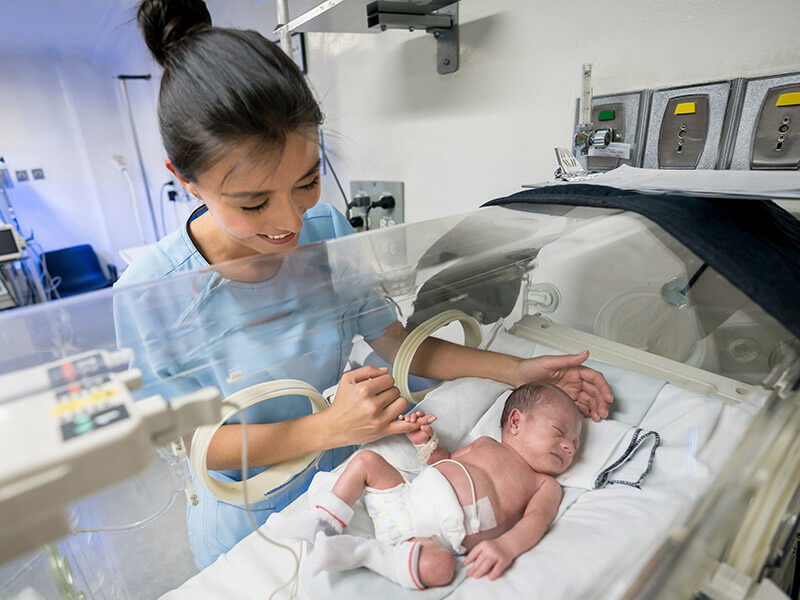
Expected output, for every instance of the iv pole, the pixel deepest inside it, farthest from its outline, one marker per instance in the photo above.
(283, 20)
(122, 83)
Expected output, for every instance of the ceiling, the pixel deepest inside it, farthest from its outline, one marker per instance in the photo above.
(105, 29)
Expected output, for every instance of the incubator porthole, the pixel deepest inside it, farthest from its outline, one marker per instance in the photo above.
(743, 349)
(656, 320)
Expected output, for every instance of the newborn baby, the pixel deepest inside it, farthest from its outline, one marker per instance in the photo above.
(492, 500)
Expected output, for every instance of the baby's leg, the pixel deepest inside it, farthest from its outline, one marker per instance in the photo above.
(436, 566)
(366, 469)
(332, 511)
(414, 564)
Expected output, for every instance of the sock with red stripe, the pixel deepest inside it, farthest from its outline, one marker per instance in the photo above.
(398, 563)
(329, 516)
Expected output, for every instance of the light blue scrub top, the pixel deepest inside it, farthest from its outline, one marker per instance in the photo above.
(189, 332)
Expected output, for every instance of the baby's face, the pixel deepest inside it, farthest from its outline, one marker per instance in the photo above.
(550, 437)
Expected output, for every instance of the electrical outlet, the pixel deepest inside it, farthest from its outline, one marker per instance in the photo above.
(37, 173)
(22, 176)
(386, 202)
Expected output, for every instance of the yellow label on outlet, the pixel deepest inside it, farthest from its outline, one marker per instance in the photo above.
(788, 99)
(686, 108)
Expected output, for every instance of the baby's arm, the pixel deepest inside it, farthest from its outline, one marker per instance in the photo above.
(421, 436)
(492, 557)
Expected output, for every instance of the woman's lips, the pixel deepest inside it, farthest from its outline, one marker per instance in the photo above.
(278, 241)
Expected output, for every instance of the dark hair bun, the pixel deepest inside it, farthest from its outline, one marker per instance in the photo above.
(165, 23)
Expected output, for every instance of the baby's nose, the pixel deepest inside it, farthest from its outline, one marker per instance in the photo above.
(568, 446)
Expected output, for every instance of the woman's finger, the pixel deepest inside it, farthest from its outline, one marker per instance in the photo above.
(364, 373)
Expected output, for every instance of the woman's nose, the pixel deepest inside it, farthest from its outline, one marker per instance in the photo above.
(286, 215)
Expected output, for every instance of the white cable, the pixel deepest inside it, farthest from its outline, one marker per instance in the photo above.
(402, 362)
(294, 579)
(133, 205)
(142, 523)
(119, 161)
(475, 522)
(268, 482)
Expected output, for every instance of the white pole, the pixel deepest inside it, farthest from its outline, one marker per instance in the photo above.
(283, 20)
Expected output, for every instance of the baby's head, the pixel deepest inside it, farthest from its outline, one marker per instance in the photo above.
(543, 424)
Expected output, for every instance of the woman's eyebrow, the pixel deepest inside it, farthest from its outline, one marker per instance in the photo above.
(312, 170)
(263, 193)
(246, 195)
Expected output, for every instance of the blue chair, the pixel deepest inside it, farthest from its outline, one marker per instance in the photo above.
(78, 270)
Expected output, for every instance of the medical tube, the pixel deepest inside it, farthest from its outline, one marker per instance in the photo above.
(293, 579)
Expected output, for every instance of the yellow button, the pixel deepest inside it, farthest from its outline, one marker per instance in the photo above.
(686, 108)
(788, 99)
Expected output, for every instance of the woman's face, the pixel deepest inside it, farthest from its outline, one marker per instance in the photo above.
(259, 206)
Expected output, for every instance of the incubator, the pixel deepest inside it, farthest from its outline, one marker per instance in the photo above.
(687, 353)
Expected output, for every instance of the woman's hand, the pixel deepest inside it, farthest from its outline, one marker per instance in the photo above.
(587, 387)
(366, 408)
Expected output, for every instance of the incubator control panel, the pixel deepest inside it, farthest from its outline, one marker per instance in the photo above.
(73, 428)
(88, 406)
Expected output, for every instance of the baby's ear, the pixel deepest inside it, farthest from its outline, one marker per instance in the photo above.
(514, 418)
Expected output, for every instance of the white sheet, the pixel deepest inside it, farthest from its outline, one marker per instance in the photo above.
(602, 537)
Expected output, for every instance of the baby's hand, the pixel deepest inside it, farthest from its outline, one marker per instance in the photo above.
(488, 557)
(423, 434)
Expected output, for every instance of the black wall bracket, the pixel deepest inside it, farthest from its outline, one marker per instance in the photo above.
(438, 17)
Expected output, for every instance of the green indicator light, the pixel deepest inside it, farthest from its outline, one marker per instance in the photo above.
(606, 115)
(81, 428)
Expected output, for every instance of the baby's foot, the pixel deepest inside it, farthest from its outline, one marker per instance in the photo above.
(299, 526)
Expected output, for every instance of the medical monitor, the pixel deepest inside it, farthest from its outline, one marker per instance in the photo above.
(9, 244)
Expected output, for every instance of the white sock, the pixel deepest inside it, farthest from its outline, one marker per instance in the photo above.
(329, 516)
(398, 563)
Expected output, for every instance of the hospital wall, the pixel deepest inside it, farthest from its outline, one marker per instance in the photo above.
(65, 113)
(455, 140)
(459, 140)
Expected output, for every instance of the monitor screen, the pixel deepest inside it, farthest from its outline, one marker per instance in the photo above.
(8, 243)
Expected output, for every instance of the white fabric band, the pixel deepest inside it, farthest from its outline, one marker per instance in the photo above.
(425, 450)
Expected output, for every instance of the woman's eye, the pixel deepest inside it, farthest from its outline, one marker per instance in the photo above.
(258, 208)
(310, 186)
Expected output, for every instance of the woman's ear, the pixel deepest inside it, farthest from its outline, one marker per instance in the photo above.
(187, 185)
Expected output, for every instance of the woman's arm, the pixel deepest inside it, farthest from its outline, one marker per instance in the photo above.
(365, 408)
(438, 359)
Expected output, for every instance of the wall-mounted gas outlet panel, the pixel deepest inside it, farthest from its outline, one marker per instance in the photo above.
(378, 203)
(686, 127)
(622, 114)
(768, 132)
(684, 131)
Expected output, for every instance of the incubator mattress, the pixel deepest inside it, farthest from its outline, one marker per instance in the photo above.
(601, 536)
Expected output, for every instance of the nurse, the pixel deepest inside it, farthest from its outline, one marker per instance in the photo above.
(240, 129)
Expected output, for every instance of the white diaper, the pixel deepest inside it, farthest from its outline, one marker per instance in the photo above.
(426, 507)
